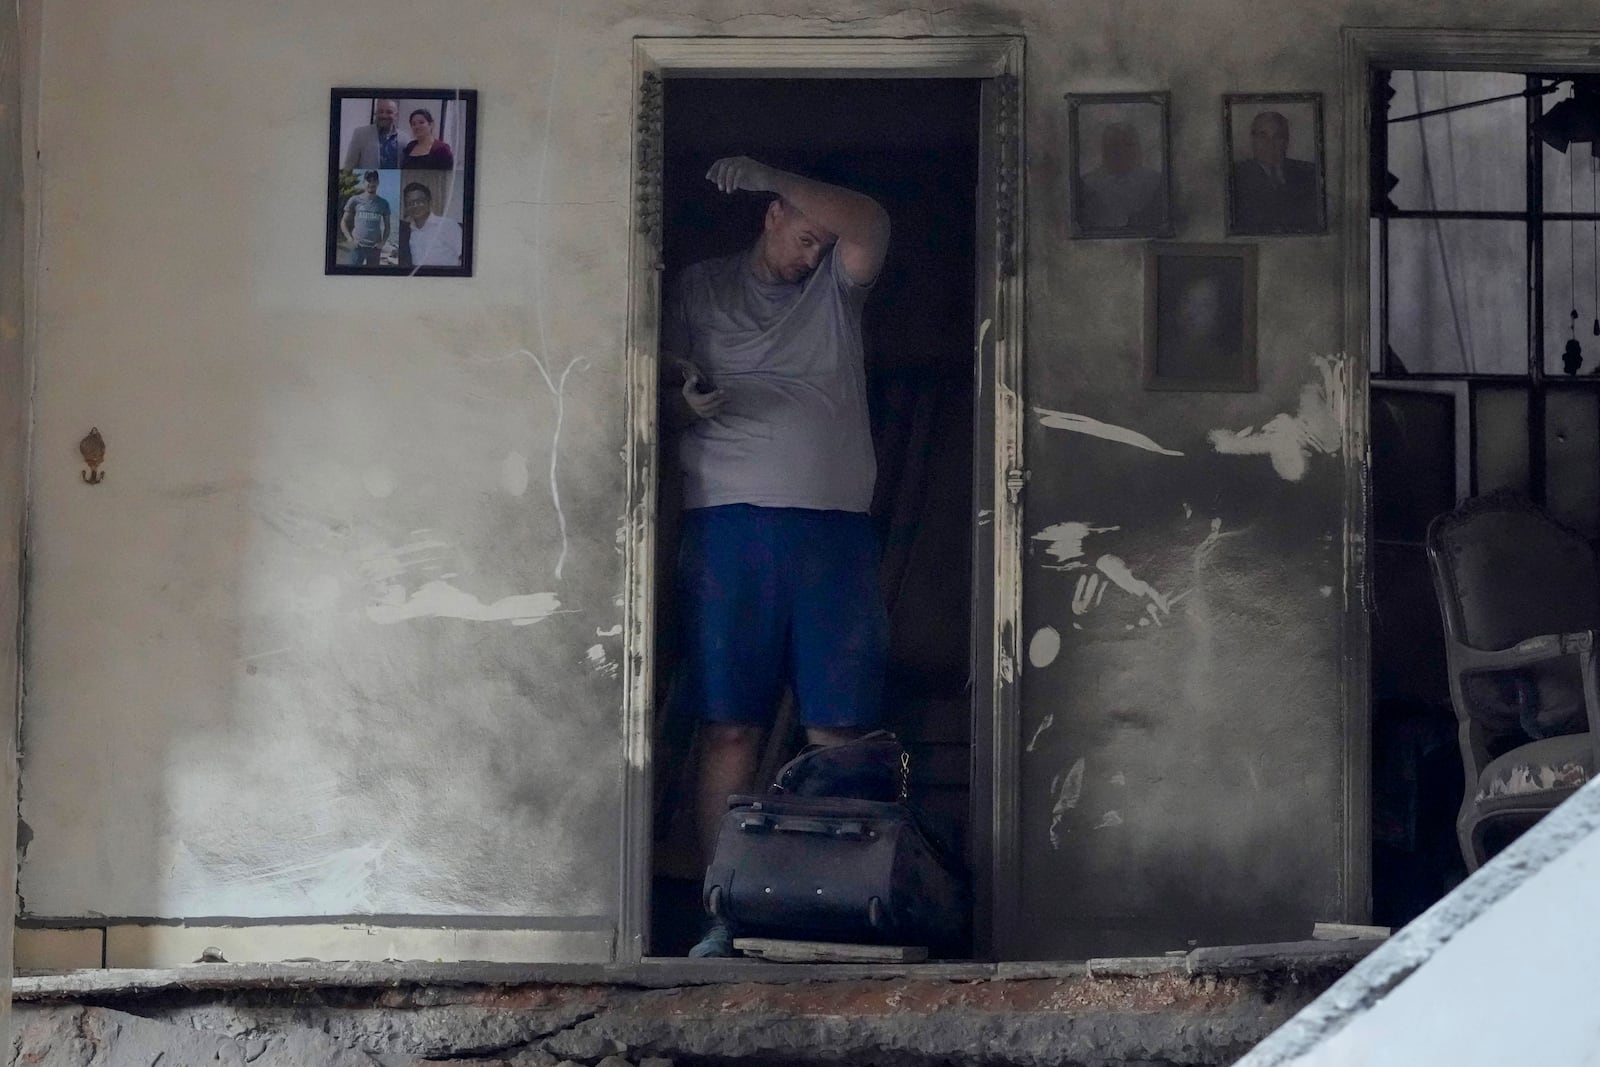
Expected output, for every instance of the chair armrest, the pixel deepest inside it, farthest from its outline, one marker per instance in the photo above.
(1534, 650)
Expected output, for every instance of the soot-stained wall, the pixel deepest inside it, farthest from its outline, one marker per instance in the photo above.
(338, 633)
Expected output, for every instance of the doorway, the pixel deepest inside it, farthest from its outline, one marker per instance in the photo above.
(948, 441)
(911, 144)
(1485, 275)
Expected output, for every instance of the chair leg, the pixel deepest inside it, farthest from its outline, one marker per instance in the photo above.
(1471, 840)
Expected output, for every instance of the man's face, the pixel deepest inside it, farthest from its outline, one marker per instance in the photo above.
(384, 114)
(418, 206)
(370, 184)
(795, 244)
(1269, 138)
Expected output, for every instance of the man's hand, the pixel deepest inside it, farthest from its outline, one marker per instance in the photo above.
(733, 173)
(703, 404)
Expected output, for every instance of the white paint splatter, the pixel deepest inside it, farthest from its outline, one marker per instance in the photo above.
(442, 600)
(268, 652)
(1110, 818)
(379, 481)
(1188, 512)
(337, 880)
(514, 473)
(1119, 779)
(614, 631)
(1326, 590)
(1087, 593)
(1290, 440)
(382, 564)
(1049, 721)
(557, 388)
(985, 516)
(1117, 571)
(1045, 647)
(1064, 542)
(599, 663)
(1066, 800)
(1066, 420)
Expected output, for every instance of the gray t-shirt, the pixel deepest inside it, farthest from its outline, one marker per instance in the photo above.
(793, 431)
(371, 213)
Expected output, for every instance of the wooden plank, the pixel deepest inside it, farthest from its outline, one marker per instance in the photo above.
(1136, 966)
(780, 951)
(1346, 932)
(1282, 956)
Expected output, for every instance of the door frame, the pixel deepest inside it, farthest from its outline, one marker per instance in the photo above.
(999, 473)
(1421, 49)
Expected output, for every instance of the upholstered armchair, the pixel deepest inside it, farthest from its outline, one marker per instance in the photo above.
(1520, 596)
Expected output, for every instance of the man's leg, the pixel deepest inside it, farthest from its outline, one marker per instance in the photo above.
(840, 631)
(728, 755)
(732, 629)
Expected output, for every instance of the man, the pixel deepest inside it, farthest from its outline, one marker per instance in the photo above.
(365, 223)
(1271, 192)
(426, 239)
(1122, 193)
(376, 145)
(778, 570)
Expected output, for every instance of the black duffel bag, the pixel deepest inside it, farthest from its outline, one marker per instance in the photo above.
(834, 869)
(873, 766)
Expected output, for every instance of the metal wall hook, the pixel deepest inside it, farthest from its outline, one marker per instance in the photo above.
(93, 450)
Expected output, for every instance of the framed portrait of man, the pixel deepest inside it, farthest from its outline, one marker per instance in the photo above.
(1120, 149)
(401, 175)
(1200, 317)
(1276, 171)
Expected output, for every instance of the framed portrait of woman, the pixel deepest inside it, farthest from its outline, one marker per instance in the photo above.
(400, 181)
(1200, 317)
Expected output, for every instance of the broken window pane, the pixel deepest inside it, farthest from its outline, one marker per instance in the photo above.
(1469, 160)
(1458, 296)
(1571, 181)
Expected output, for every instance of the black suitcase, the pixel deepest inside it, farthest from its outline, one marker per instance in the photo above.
(834, 869)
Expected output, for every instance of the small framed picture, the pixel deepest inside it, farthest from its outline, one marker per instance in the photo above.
(1121, 164)
(400, 181)
(1276, 171)
(1200, 317)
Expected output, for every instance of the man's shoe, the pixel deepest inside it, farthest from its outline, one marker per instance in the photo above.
(717, 944)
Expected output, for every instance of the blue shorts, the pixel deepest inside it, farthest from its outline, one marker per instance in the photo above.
(775, 595)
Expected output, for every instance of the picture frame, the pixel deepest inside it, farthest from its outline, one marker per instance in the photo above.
(1120, 158)
(1273, 189)
(401, 180)
(1200, 317)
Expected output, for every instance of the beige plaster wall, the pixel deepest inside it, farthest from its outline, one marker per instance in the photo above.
(219, 722)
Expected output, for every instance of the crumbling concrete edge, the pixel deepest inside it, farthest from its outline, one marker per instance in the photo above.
(1402, 955)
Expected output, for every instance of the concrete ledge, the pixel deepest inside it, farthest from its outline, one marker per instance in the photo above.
(99, 984)
(773, 1014)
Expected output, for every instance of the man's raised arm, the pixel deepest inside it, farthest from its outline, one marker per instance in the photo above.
(859, 222)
